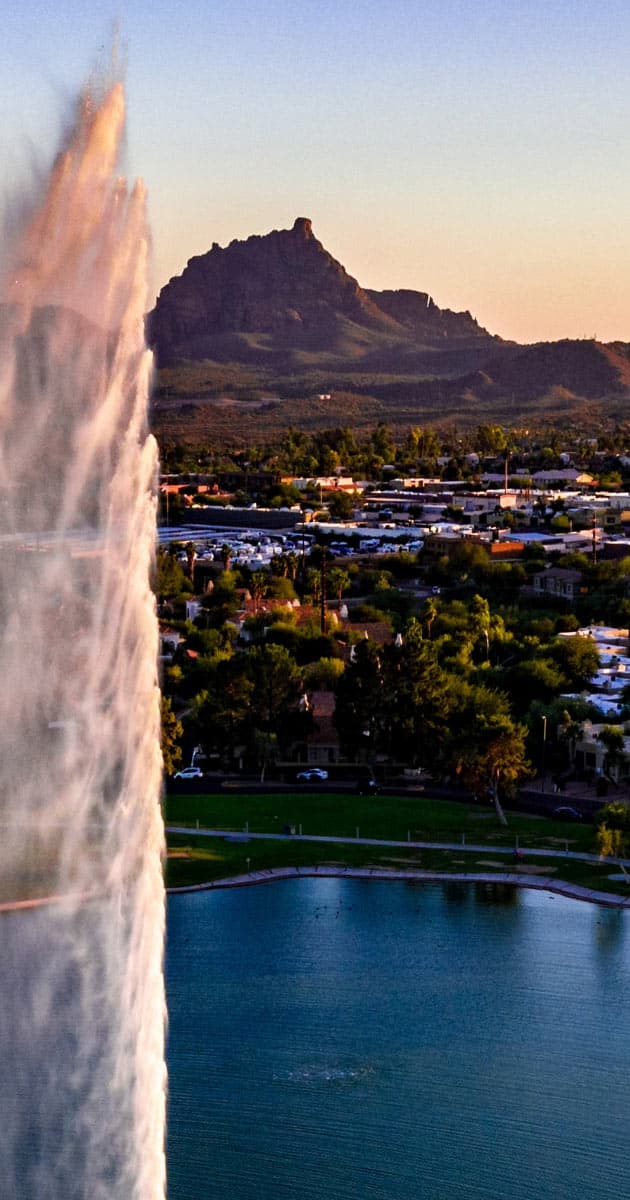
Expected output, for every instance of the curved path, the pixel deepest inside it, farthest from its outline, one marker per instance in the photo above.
(538, 882)
(244, 835)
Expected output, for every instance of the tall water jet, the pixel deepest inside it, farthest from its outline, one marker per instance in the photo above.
(82, 1072)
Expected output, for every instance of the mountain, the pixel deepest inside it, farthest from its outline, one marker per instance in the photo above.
(273, 326)
(280, 297)
(419, 315)
(548, 381)
(582, 367)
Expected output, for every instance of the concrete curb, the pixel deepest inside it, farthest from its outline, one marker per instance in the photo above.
(539, 883)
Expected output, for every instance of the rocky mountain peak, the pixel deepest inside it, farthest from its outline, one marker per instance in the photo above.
(283, 294)
(303, 226)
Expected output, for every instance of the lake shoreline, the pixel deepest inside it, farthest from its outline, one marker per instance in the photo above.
(517, 879)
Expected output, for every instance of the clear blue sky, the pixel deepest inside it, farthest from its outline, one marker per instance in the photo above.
(475, 149)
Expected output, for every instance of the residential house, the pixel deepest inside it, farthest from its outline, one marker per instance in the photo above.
(559, 583)
(592, 754)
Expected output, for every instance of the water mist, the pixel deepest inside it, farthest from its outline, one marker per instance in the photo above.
(82, 1072)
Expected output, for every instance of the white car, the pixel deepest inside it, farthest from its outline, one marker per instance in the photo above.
(189, 773)
(314, 773)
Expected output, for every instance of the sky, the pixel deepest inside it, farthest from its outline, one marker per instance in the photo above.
(474, 149)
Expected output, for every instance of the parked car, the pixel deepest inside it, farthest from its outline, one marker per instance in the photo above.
(189, 773)
(312, 775)
(566, 813)
(367, 787)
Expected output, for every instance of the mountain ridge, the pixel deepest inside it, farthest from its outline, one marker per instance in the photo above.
(285, 292)
(277, 317)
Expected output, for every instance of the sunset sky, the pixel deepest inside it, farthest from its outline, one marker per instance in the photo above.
(474, 149)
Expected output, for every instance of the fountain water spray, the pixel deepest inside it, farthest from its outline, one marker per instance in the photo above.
(82, 1008)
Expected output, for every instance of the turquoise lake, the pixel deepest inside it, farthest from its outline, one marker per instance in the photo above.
(340, 1038)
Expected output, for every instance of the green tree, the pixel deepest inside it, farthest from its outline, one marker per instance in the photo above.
(191, 558)
(534, 679)
(314, 583)
(468, 561)
(490, 439)
(613, 830)
(424, 444)
(172, 730)
(221, 604)
(501, 760)
(359, 707)
(275, 676)
(293, 563)
(341, 505)
(383, 444)
(417, 701)
(487, 748)
(429, 613)
(282, 495)
(322, 675)
(221, 712)
(170, 580)
(480, 623)
(280, 588)
(615, 815)
(258, 586)
(570, 731)
(610, 843)
(266, 745)
(578, 658)
(611, 736)
(339, 581)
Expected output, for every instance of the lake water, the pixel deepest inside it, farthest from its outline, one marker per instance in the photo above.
(337, 1038)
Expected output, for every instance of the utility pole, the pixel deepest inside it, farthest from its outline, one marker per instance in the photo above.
(323, 599)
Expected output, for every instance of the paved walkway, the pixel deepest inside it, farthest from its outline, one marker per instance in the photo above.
(464, 847)
(540, 883)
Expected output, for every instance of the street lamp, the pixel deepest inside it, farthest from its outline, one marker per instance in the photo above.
(544, 750)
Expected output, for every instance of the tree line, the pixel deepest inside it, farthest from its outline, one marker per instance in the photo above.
(457, 685)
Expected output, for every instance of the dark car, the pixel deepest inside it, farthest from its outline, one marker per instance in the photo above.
(566, 813)
(367, 787)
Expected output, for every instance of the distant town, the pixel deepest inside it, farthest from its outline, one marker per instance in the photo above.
(466, 624)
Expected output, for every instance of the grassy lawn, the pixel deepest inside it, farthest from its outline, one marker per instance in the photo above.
(198, 860)
(389, 817)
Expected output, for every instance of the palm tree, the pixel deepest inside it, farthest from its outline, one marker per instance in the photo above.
(258, 587)
(429, 612)
(570, 731)
(314, 583)
(612, 738)
(339, 581)
(292, 562)
(191, 555)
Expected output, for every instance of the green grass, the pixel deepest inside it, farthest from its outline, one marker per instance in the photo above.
(198, 860)
(194, 860)
(389, 817)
